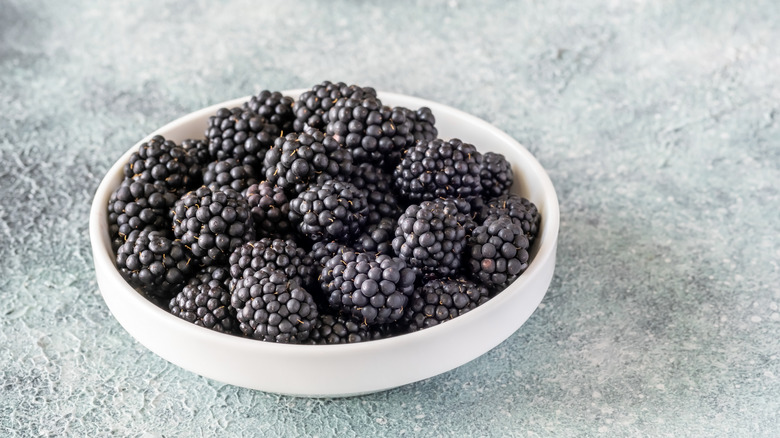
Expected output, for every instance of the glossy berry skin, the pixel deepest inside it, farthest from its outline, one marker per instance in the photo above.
(496, 175)
(516, 207)
(270, 209)
(441, 300)
(275, 107)
(279, 254)
(136, 205)
(338, 329)
(153, 263)
(312, 106)
(241, 134)
(498, 251)
(333, 210)
(229, 173)
(205, 301)
(161, 161)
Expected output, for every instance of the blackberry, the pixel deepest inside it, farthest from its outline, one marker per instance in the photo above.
(298, 159)
(270, 209)
(136, 205)
(241, 134)
(274, 107)
(205, 301)
(378, 238)
(272, 308)
(153, 263)
(373, 288)
(331, 210)
(443, 299)
(431, 236)
(211, 224)
(518, 208)
(197, 149)
(372, 132)
(282, 255)
(420, 125)
(382, 202)
(324, 250)
(498, 251)
(161, 161)
(336, 329)
(229, 173)
(496, 175)
(439, 169)
(312, 106)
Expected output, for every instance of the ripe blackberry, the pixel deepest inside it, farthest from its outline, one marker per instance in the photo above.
(163, 162)
(420, 125)
(325, 250)
(272, 308)
(136, 205)
(431, 236)
(330, 210)
(382, 202)
(198, 149)
(516, 207)
(496, 175)
(443, 299)
(373, 133)
(282, 255)
(336, 329)
(439, 169)
(229, 173)
(312, 106)
(205, 301)
(211, 224)
(274, 107)
(298, 159)
(153, 263)
(498, 251)
(378, 238)
(241, 134)
(270, 209)
(373, 288)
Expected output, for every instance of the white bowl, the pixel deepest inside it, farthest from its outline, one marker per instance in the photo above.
(321, 370)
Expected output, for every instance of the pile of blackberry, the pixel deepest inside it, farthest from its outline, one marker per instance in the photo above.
(329, 218)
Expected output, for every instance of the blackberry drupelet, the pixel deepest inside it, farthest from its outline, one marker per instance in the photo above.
(312, 106)
(274, 107)
(299, 159)
(420, 125)
(229, 173)
(336, 329)
(270, 209)
(211, 224)
(205, 301)
(371, 132)
(271, 307)
(516, 207)
(498, 251)
(372, 288)
(136, 205)
(382, 202)
(153, 263)
(197, 149)
(279, 254)
(431, 236)
(496, 175)
(331, 210)
(324, 250)
(163, 162)
(443, 299)
(439, 169)
(241, 134)
(378, 238)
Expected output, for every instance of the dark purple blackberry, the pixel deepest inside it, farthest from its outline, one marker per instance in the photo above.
(153, 263)
(378, 238)
(498, 251)
(229, 173)
(336, 329)
(270, 209)
(439, 169)
(205, 301)
(298, 159)
(197, 149)
(331, 210)
(324, 250)
(312, 106)
(274, 107)
(382, 202)
(282, 255)
(443, 299)
(431, 237)
(420, 125)
(241, 134)
(161, 161)
(373, 133)
(372, 288)
(516, 207)
(211, 224)
(272, 308)
(135, 205)
(496, 175)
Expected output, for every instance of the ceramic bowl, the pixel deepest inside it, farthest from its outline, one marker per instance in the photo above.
(348, 369)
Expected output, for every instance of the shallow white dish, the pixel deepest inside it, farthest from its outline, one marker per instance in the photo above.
(321, 370)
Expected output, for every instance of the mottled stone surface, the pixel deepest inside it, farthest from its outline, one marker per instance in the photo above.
(658, 124)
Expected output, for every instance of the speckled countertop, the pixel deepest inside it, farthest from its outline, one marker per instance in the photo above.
(656, 120)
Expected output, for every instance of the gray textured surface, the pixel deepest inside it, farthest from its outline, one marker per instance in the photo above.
(657, 121)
